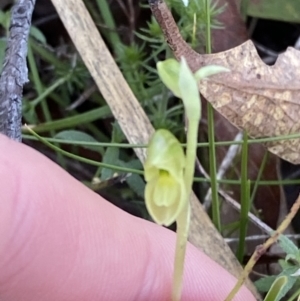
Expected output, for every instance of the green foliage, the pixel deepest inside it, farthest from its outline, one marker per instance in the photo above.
(193, 19)
(111, 155)
(73, 135)
(287, 10)
(290, 270)
(37, 35)
(5, 19)
(276, 289)
(135, 181)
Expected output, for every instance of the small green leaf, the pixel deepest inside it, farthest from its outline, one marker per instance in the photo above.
(287, 10)
(5, 19)
(264, 284)
(168, 72)
(74, 135)
(135, 181)
(288, 246)
(276, 288)
(37, 34)
(29, 114)
(285, 264)
(111, 156)
(209, 71)
(290, 281)
(290, 257)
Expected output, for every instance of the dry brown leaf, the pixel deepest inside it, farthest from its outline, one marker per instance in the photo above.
(261, 99)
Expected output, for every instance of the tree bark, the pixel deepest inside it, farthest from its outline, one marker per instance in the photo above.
(15, 73)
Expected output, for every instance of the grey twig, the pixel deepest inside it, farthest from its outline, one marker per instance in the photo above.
(15, 73)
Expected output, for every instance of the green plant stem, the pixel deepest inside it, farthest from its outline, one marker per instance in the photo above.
(213, 169)
(245, 200)
(47, 55)
(38, 84)
(49, 90)
(123, 145)
(183, 220)
(191, 151)
(208, 25)
(211, 138)
(39, 88)
(259, 175)
(182, 230)
(105, 112)
(85, 160)
(72, 121)
(110, 23)
(115, 41)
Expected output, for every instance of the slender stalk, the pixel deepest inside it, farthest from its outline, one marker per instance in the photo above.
(115, 41)
(73, 121)
(49, 90)
(40, 89)
(243, 227)
(259, 175)
(110, 23)
(208, 31)
(82, 159)
(192, 136)
(105, 112)
(213, 169)
(183, 224)
(126, 145)
(211, 138)
(183, 220)
(38, 85)
(245, 200)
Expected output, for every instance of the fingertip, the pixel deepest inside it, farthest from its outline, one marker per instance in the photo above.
(77, 246)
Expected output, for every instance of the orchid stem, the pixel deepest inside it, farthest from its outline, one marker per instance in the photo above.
(191, 149)
(183, 220)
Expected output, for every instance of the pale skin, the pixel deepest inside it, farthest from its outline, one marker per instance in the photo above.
(60, 241)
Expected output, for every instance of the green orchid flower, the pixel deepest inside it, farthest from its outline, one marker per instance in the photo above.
(165, 193)
(168, 171)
